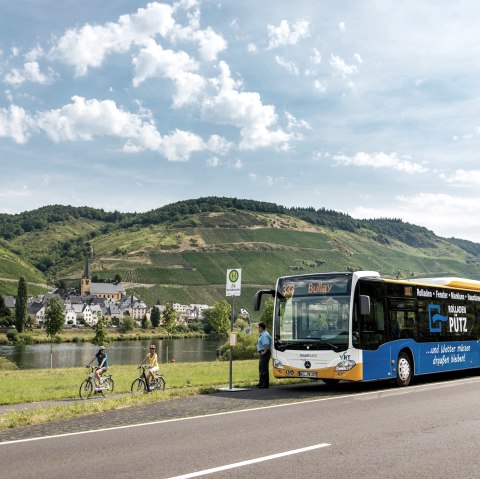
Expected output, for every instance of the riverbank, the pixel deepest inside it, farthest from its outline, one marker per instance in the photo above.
(184, 379)
(85, 335)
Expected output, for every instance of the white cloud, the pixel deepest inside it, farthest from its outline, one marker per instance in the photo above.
(15, 123)
(319, 86)
(285, 34)
(462, 177)
(180, 145)
(316, 57)
(289, 66)
(213, 162)
(274, 180)
(34, 54)
(154, 61)
(380, 160)
(358, 58)
(295, 123)
(88, 46)
(83, 120)
(434, 211)
(210, 43)
(30, 72)
(342, 26)
(257, 122)
(22, 192)
(252, 48)
(219, 145)
(341, 67)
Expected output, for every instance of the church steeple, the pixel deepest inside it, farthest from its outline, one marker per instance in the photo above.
(86, 280)
(86, 273)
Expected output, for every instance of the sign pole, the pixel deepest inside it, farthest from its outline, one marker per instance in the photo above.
(231, 345)
(234, 286)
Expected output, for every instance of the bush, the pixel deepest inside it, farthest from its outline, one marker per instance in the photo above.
(195, 326)
(25, 338)
(12, 336)
(246, 347)
(180, 328)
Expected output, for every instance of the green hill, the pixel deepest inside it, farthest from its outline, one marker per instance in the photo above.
(12, 267)
(181, 252)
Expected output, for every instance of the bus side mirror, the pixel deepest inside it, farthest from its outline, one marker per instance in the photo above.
(364, 305)
(258, 297)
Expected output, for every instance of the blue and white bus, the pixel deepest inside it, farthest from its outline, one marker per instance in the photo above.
(362, 327)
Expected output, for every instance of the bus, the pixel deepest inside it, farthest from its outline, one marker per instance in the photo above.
(358, 326)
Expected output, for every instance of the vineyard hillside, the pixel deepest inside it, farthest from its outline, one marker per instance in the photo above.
(180, 253)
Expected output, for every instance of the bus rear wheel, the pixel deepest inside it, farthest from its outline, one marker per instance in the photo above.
(404, 370)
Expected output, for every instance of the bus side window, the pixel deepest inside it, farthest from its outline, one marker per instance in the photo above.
(408, 327)
(372, 332)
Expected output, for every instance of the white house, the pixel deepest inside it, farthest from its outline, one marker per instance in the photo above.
(88, 316)
(70, 316)
(139, 310)
(40, 316)
(96, 313)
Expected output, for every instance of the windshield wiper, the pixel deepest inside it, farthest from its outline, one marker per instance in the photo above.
(306, 345)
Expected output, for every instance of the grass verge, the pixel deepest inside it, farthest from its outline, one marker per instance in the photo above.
(183, 379)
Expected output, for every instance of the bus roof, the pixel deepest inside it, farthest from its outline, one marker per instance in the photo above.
(448, 282)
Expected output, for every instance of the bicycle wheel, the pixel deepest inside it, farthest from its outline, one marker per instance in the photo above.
(86, 389)
(138, 386)
(160, 384)
(109, 385)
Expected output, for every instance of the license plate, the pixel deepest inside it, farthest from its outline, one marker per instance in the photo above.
(307, 374)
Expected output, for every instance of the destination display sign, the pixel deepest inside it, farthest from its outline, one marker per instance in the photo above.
(315, 286)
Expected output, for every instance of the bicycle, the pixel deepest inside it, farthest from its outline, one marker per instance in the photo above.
(89, 388)
(139, 385)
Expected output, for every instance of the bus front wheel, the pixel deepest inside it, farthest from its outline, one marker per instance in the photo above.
(330, 382)
(404, 369)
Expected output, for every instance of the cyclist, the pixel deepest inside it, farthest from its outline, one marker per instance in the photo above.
(102, 359)
(152, 359)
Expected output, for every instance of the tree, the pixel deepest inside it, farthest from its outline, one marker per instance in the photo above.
(100, 338)
(54, 321)
(219, 317)
(169, 318)
(4, 311)
(21, 305)
(145, 322)
(128, 323)
(155, 317)
(267, 315)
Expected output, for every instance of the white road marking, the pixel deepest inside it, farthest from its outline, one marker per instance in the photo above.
(249, 462)
(378, 393)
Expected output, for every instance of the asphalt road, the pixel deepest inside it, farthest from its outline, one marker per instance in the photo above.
(429, 430)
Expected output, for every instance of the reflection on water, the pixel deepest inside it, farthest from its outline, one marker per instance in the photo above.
(66, 355)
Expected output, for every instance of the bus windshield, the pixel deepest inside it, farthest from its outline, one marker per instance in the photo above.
(312, 312)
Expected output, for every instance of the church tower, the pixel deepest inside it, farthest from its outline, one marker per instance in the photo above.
(86, 280)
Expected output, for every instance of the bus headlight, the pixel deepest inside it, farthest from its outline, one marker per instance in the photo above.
(345, 365)
(277, 364)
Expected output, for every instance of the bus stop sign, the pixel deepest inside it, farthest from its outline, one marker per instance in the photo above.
(234, 282)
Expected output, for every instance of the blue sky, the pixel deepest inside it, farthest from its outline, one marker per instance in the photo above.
(365, 107)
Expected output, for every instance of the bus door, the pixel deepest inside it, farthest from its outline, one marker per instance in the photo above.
(372, 333)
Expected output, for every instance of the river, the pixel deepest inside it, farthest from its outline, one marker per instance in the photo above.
(67, 355)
